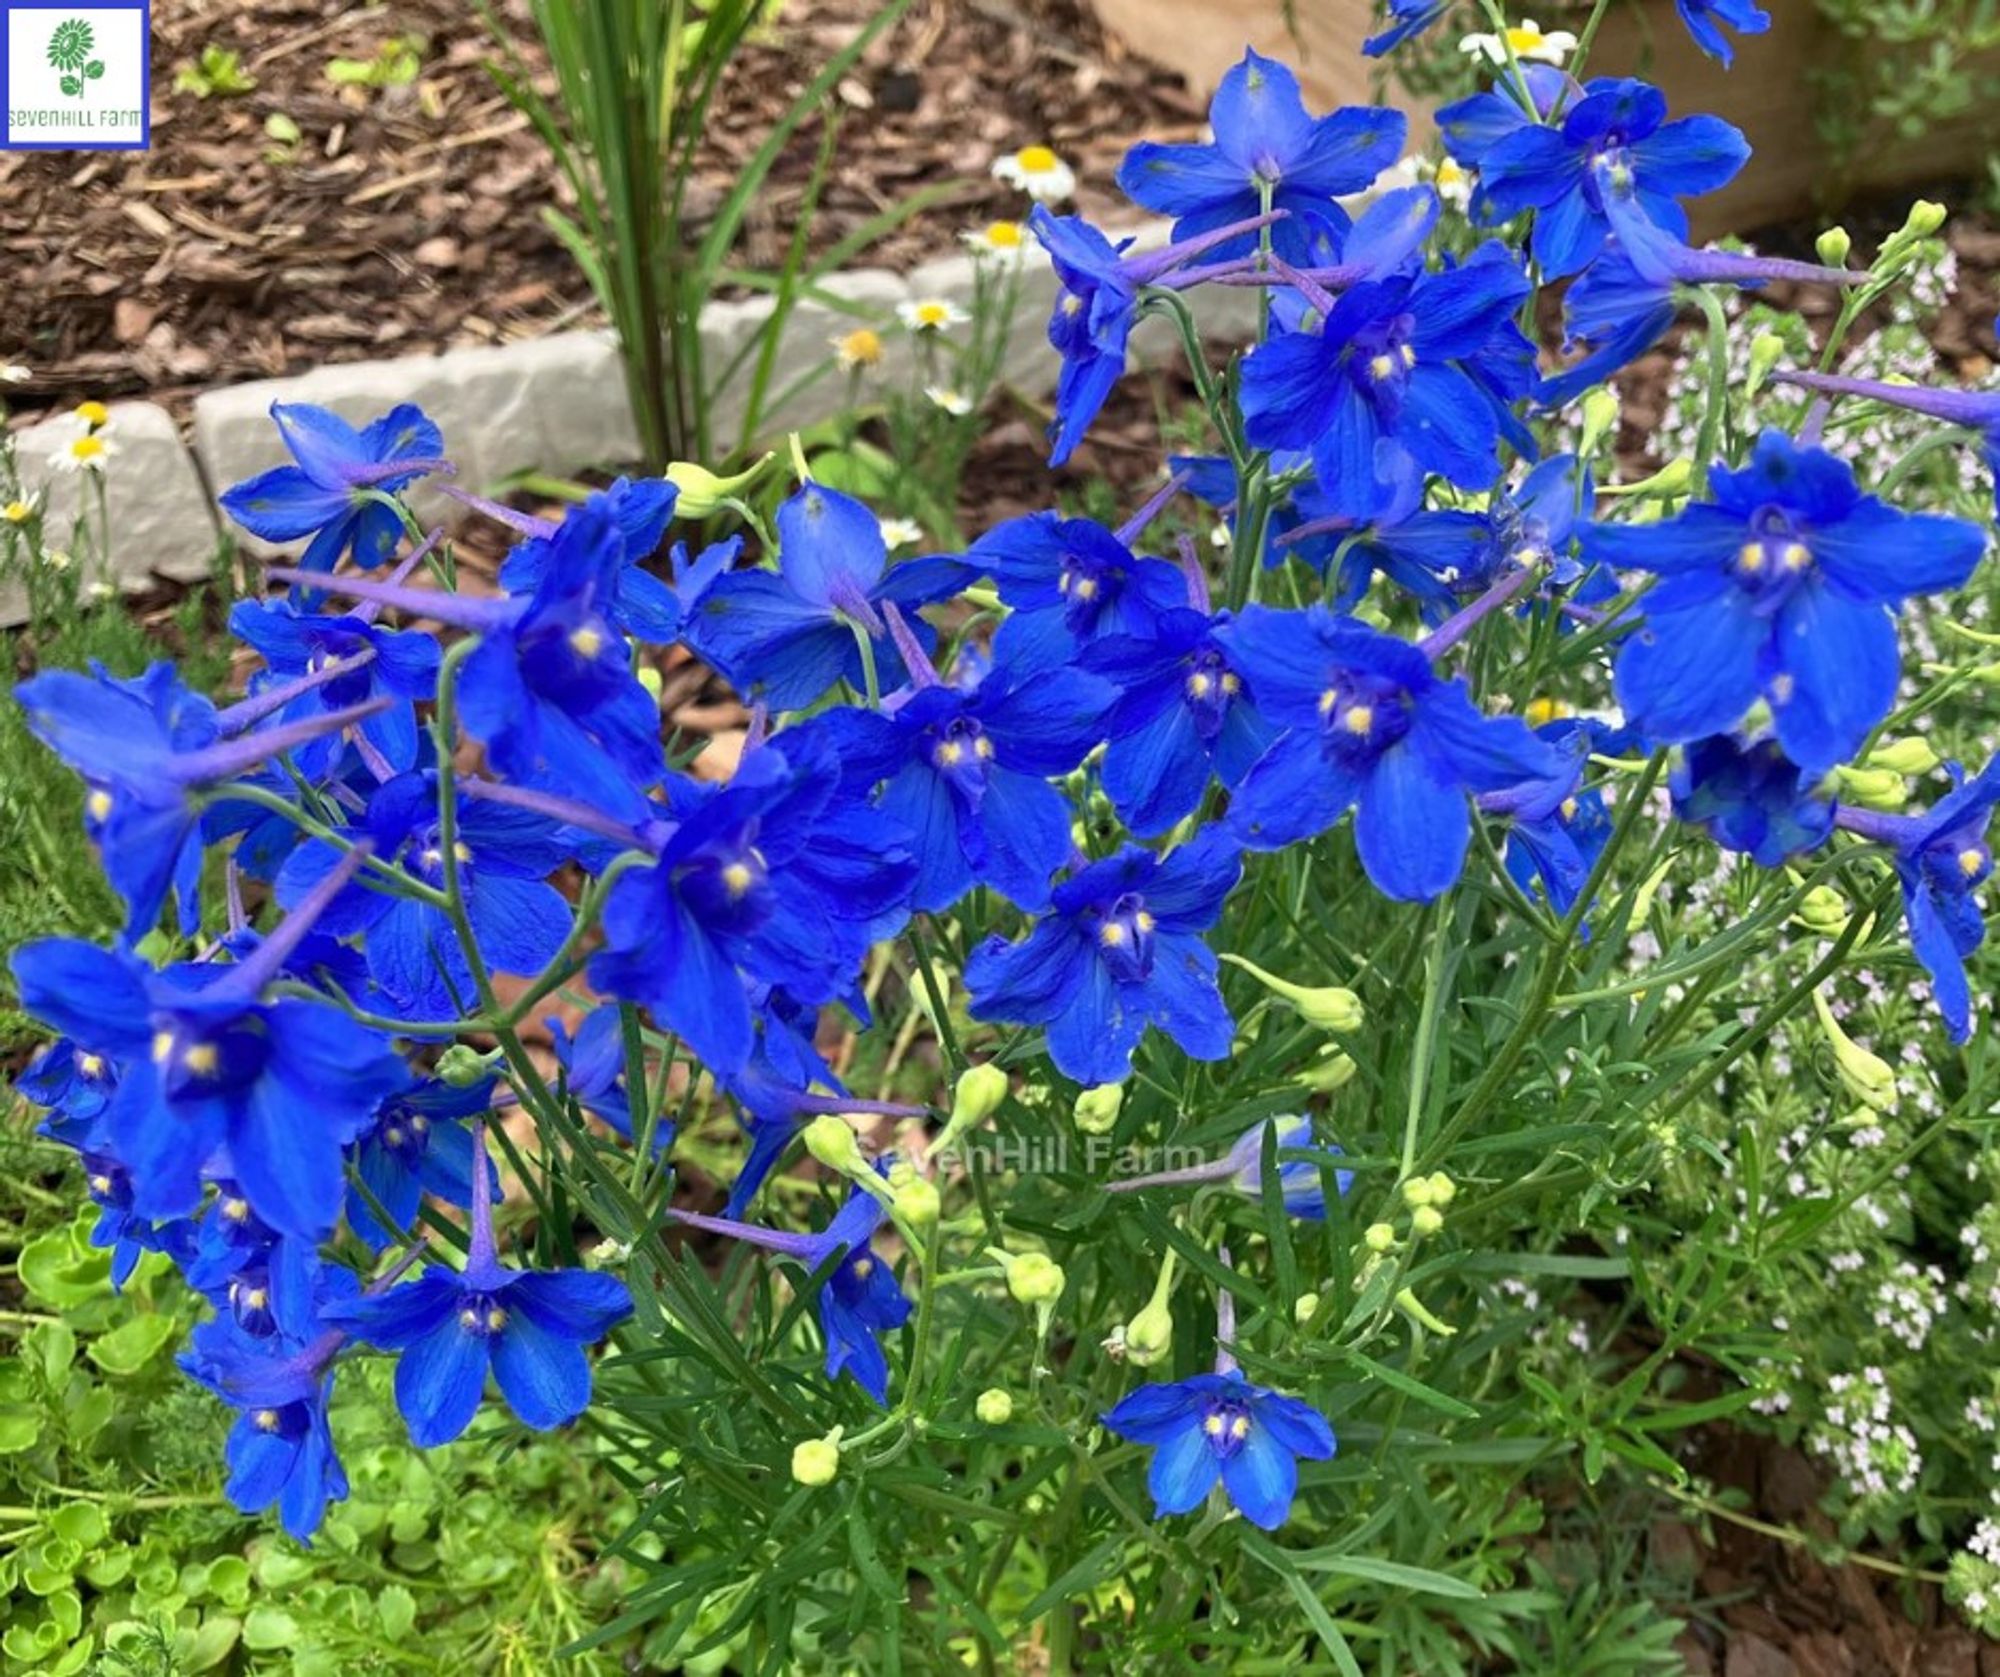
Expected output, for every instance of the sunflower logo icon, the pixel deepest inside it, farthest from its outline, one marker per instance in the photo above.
(70, 49)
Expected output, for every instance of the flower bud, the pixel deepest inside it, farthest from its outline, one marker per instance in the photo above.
(829, 1140)
(1824, 911)
(1417, 1191)
(1871, 788)
(702, 493)
(816, 1461)
(649, 678)
(1379, 1237)
(1326, 1007)
(1031, 1277)
(1833, 247)
(1601, 413)
(1097, 1109)
(1672, 479)
(1149, 1336)
(994, 1406)
(1426, 1220)
(1413, 1307)
(1304, 1308)
(977, 1095)
(460, 1067)
(1868, 1077)
(912, 1198)
(1910, 755)
(1443, 1189)
(1330, 1070)
(1767, 349)
(1925, 218)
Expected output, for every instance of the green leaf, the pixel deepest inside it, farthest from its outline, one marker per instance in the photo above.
(81, 1523)
(131, 1345)
(94, 69)
(265, 1628)
(213, 1642)
(20, 1426)
(56, 1270)
(397, 1609)
(1413, 1388)
(1393, 1573)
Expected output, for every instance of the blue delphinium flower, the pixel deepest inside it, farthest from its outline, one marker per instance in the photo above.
(1615, 142)
(1386, 363)
(1749, 796)
(1187, 714)
(206, 1064)
(1705, 18)
(1474, 125)
(529, 1327)
(504, 857)
(75, 1086)
(1559, 826)
(1424, 551)
(1267, 153)
(418, 1144)
(1242, 1167)
(965, 773)
(786, 636)
(593, 1068)
(324, 494)
(122, 1231)
(1779, 586)
(1406, 20)
(1220, 1427)
(640, 604)
(1942, 858)
(860, 1299)
(1068, 582)
(397, 665)
(1119, 950)
(1370, 726)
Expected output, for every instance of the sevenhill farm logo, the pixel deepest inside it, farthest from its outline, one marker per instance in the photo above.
(76, 77)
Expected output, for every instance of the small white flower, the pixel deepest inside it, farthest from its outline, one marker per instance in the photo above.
(860, 348)
(57, 559)
(19, 512)
(1039, 173)
(90, 450)
(98, 591)
(12, 372)
(1454, 184)
(1530, 44)
(954, 402)
(930, 314)
(901, 532)
(1006, 241)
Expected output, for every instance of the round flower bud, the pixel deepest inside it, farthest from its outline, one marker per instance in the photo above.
(1601, 412)
(1443, 1189)
(1305, 1307)
(1925, 218)
(994, 1406)
(702, 492)
(913, 1199)
(1379, 1237)
(1911, 754)
(830, 1140)
(1031, 1277)
(977, 1095)
(1417, 1191)
(1426, 1220)
(460, 1067)
(1330, 1070)
(1097, 1109)
(1833, 246)
(1824, 911)
(1767, 349)
(1149, 1336)
(816, 1461)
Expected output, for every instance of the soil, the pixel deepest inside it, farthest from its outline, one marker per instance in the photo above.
(410, 218)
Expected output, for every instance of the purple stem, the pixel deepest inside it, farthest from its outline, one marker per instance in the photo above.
(526, 523)
(456, 609)
(482, 1262)
(1876, 826)
(246, 713)
(1143, 270)
(232, 886)
(556, 808)
(229, 758)
(1213, 1170)
(369, 610)
(1461, 622)
(923, 673)
(1197, 578)
(366, 477)
(807, 1101)
(377, 765)
(1135, 526)
(250, 975)
(1225, 1323)
(760, 727)
(396, 1271)
(1310, 289)
(1974, 408)
(801, 1246)
(1336, 525)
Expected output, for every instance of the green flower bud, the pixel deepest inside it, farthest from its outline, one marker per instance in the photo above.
(1910, 755)
(816, 1461)
(461, 1067)
(1767, 349)
(1871, 788)
(1304, 1308)
(829, 1140)
(912, 1198)
(1097, 1109)
(1426, 1220)
(1925, 218)
(1413, 1307)
(1601, 413)
(1868, 1077)
(1150, 1334)
(1330, 1070)
(649, 678)
(1443, 1189)
(978, 1094)
(1833, 246)
(702, 493)
(994, 1406)
(1031, 1277)
(1417, 1191)
(1824, 911)
(1327, 1007)
(1379, 1237)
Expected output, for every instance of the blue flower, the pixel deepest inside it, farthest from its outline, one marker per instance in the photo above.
(1370, 726)
(1425, 552)
(208, 1071)
(639, 604)
(1387, 363)
(787, 635)
(1560, 826)
(1187, 713)
(1068, 582)
(1942, 858)
(1780, 586)
(860, 1299)
(1265, 145)
(1242, 1167)
(1406, 19)
(965, 773)
(1749, 796)
(127, 1235)
(399, 666)
(75, 1086)
(1213, 1427)
(1977, 410)
(1704, 19)
(324, 495)
(417, 1145)
(1474, 125)
(1615, 143)
(1120, 950)
(1613, 314)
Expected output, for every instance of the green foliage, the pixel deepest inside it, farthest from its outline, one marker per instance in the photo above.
(218, 73)
(1906, 67)
(398, 62)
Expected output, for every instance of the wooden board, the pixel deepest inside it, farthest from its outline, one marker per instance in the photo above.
(1769, 95)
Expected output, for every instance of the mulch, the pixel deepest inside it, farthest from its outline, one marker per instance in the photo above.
(411, 218)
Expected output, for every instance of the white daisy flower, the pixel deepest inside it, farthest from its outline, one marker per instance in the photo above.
(860, 348)
(1006, 241)
(954, 402)
(18, 512)
(1039, 173)
(1529, 42)
(90, 450)
(901, 532)
(1454, 184)
(930, 314)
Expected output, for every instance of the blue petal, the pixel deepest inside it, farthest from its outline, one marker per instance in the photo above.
(544, 1376)
(1262, 1478)
(1092, 1038)
(439, 1381)
(1843, 664)
(1183, 1471)
(828, 542)
(1411, 830)
(1690, 674)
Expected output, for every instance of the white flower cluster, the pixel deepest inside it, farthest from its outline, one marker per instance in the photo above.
(1909, 1302)
(1877, 1456)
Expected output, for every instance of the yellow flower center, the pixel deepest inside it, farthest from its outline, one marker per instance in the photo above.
(1359, 719)
(861, 348)
(266, 1419)
(1004, 235)
(99, 805)
(1970, 862)
(1524, 39)
(19, 512)
(1036, 160)
(93, 413)
(586, 642)
(737, 878)
(87, 448)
